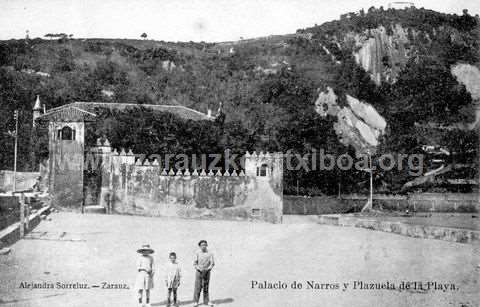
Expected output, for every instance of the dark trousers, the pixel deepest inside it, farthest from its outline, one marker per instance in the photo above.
(202, 280)
(170, 291)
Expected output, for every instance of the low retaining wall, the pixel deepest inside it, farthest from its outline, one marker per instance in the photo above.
(420, 202)
(416, 231)
(9, 210)
(316, 205)
(11, 234)
(8, 202)
(445, 202)
(24, 180)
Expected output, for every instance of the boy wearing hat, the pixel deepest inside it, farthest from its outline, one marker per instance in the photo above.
(203, 263)
(144, 281)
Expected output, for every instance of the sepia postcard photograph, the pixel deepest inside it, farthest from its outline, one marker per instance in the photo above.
(239, 153)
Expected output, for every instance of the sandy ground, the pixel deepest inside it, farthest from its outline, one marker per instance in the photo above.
(93, 249)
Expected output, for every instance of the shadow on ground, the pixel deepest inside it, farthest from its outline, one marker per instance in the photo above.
(2, 302)
(183, 303)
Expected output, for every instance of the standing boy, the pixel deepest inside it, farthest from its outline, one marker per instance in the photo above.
(172, 279)
(203, 263)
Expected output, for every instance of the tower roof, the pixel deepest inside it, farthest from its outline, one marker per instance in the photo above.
(82, 110)
(68, 113)
(38, 105)
(92, 107)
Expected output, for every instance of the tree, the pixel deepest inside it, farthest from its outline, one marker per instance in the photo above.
(429, 93)
(144, 35)
(65, 61)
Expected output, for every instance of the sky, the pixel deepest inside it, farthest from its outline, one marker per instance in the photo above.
(185, 20)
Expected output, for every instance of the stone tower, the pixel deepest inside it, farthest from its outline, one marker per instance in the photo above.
(265, 165)
(37, 112)
(264, 175)
(66, 147)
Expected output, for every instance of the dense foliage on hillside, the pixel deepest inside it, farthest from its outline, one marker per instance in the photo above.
(267, 87)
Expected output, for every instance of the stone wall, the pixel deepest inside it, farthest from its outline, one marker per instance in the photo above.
(459, 235)
(316, 205)
(9, 210)
(445, 202)
(132, 186)
(25, 180)
(421, 202)
(12, 233)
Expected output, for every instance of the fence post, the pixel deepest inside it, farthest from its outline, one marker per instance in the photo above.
(168, 191)
(125, 191)
(27, 215)
(22, 215)
(110, 188)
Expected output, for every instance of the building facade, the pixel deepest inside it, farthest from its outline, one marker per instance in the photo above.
(81, 176)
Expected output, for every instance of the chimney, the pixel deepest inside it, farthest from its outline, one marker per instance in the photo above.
(209, 113)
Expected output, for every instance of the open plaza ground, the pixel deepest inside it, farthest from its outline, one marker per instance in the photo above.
(95, 249)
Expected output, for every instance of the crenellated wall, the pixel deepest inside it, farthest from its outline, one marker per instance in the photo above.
(132, 186)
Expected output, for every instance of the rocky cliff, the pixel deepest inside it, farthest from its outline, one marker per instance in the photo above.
(382, 41)
(381, 54)
(469, 76)
(357, 124)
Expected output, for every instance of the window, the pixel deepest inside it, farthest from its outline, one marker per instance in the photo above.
(262, 170)
(256, 212)
(66, 133)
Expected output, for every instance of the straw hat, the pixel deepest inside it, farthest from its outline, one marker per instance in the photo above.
(145, 249)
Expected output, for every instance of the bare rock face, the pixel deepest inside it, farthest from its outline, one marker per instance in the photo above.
(367, 113)
(326, 103)
(469, 76)
(381, 54)
(168, 65)
(358, 124)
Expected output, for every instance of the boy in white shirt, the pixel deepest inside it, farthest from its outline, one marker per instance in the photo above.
(172, 279)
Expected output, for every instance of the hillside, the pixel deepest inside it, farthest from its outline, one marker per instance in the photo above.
(383, 41)
(398, 61)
